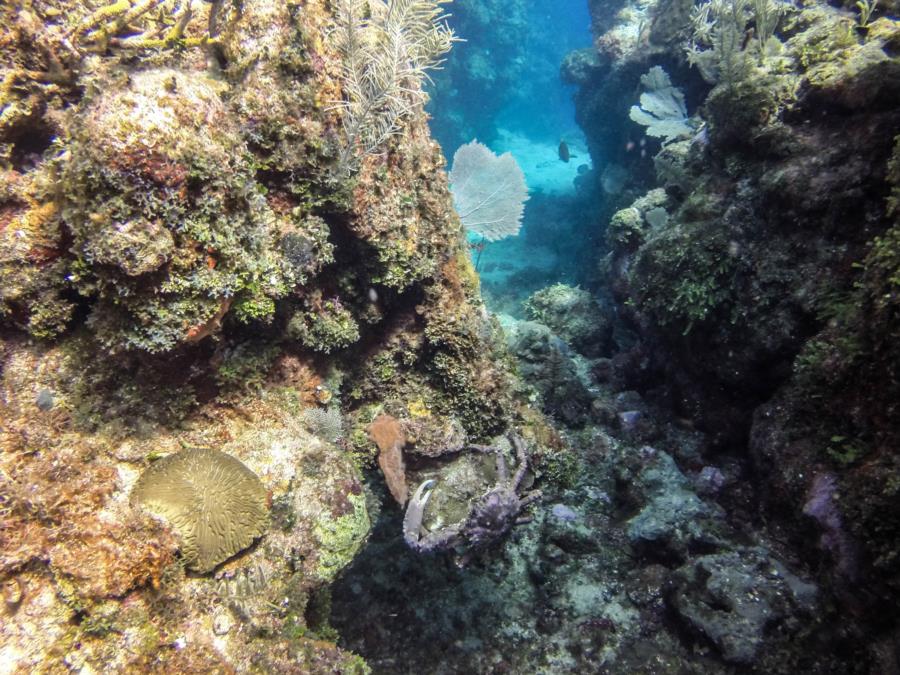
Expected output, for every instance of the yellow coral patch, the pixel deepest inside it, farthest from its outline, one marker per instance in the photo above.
(418, 409)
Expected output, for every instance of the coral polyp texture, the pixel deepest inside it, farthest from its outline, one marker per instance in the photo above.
(215, 504)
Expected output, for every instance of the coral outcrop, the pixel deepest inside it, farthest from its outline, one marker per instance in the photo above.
(753, 263)
(89, 567)
(574, 315)
(186, 262)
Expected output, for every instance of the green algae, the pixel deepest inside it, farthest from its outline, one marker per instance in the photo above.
(339, 539)
(326, 326)
(682, 276)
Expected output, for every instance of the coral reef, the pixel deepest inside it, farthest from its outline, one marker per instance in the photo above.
(569, 592)
(90, 568)
(725, 386)
(727, 503)
(239, 324)
(187, 263)
(752, 264)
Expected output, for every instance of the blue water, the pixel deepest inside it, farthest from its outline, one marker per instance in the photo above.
(541, 106)
(506, 73)
(503, 87)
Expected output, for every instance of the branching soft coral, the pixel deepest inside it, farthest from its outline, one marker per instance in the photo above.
(386, 47)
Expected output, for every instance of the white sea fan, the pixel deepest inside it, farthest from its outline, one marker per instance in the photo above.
(489, 191)
(327, 424)
(662, 108)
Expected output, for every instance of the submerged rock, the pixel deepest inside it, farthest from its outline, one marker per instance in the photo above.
(737, 600)
(575, 315)
(710, 480)
(546, 364)
(674, 520)
(44, 400)
(568, 530)
(629, 419)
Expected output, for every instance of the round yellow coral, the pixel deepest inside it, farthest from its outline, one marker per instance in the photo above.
(216, 504)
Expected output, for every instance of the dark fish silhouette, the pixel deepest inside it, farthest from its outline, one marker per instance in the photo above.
(564, 151)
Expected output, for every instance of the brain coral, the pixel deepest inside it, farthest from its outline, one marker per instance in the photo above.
(216, 504)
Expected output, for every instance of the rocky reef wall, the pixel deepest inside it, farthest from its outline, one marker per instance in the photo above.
(188, 259)
(754, 259)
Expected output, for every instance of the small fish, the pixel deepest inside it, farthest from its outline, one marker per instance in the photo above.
(564, 151)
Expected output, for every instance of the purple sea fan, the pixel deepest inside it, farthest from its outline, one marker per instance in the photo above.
(821, 505)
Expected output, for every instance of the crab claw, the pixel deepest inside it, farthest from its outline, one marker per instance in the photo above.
(415, 510)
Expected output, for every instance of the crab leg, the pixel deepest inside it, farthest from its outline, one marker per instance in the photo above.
(530, 498)
(522, 459)
(502, 470)
(415, 511)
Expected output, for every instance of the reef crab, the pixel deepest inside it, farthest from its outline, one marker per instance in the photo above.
(490, 517)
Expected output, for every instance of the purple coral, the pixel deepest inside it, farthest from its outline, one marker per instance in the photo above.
(821, 505)
(564, 513)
